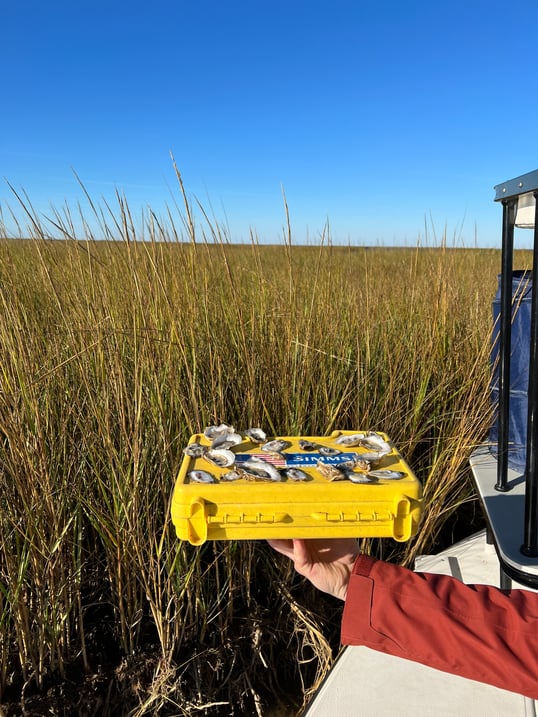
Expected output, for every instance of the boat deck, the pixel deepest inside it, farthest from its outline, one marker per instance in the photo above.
(367, 683)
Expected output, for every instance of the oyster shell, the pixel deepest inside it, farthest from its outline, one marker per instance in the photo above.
(374, 442)
(328, 451)
(296, 474)
(258, 469)
(360, 477)
(350, 440)
(330, 472)
(372, 457)
(194, 450)
(211, 432)
(275, 446)
(386, 474)
(221, 457)
(198, 476)
(227, 440)
(232, 475)
(256, 435)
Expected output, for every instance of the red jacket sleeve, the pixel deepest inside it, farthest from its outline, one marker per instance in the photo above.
(475, 631)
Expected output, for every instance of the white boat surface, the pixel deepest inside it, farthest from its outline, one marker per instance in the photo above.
(367, 683)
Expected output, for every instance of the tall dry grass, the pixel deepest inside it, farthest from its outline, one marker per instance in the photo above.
(114, 351)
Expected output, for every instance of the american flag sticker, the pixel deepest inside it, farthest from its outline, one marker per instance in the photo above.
(274, 458)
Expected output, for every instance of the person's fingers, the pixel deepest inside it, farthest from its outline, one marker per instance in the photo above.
(301, 553)
(283, 546)
(304, 561)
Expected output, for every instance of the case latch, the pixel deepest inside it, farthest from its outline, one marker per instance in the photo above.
(197, 522)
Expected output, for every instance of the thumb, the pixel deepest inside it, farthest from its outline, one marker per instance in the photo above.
(301, 556)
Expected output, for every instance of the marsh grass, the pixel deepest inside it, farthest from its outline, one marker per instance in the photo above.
(113, 352)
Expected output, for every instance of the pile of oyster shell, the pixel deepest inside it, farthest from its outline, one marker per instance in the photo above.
(359, 469)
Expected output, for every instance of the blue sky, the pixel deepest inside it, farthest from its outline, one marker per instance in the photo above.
(380, 118)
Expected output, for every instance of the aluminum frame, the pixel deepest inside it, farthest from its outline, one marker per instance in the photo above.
(508, 194)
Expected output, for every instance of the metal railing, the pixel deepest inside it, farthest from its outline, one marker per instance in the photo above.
(520, 207)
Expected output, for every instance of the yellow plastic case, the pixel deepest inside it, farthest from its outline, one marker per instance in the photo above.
(316, 508)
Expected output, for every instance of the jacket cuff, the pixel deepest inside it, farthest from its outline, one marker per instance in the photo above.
(357, 608)
(363, 565)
